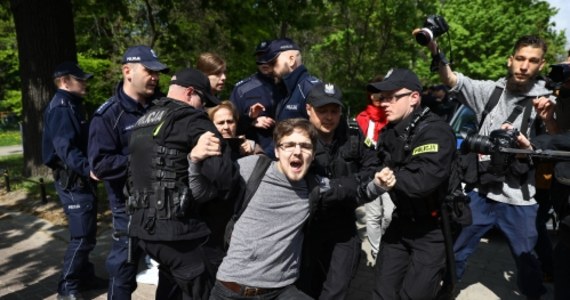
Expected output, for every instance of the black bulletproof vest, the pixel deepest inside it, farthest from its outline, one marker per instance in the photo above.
(160, 200)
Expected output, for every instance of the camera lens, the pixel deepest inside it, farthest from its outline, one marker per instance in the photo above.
(424, 36)
(478, 143)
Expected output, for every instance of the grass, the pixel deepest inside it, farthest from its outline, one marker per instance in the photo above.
(10, 138)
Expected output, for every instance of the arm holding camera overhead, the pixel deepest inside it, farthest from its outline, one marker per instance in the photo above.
(435, 26)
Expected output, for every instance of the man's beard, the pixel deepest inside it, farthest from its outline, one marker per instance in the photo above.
(518, 87)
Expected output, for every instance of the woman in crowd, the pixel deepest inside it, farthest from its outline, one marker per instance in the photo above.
(215, 68)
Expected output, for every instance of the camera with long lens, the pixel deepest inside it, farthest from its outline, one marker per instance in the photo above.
(434, 26)
(558, 75)
(493, 144)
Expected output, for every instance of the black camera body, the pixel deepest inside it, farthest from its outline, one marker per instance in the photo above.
(434, 26)
(559, 74)
(500, 161)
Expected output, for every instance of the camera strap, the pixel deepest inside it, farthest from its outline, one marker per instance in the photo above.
(493, 100)
(518, 110)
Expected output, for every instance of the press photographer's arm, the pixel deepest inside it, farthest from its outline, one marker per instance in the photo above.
(446, 75)
(543, 105)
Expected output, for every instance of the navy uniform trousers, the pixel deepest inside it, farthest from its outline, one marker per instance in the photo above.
(80, 206)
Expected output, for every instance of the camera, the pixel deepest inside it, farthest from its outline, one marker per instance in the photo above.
(558, 75)
(493, 144)
(434, 26)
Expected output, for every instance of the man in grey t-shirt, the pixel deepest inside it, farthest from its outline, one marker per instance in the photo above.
(264, 256)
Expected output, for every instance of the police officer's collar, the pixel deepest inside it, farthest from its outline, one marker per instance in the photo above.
(402, 126)
(128, 103)
(290, 80)
(69, 95)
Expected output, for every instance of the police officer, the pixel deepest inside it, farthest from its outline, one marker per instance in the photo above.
(332, 246)
(255, 98)
(166, 217)
(293, 76)
(64, 150)
(108, 154)
(418, 147)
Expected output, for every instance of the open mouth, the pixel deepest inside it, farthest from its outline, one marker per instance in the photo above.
(296, 165)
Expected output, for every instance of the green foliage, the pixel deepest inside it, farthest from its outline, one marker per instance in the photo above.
(483, 33)
(10, 95)
(10, 138)
(347, 42)
(101, 86)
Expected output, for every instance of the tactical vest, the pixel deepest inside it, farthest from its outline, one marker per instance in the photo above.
(160, 201)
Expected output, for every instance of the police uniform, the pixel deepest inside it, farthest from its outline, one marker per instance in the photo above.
(166, 219)
(258, 88)
(109, 134)
(64, 150)
(332, 246)
(418, 147)
(411, 259)
(298, 84)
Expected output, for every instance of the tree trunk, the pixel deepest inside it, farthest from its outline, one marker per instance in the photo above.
(46, 38)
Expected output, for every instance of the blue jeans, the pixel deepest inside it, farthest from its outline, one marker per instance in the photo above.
(80, 207)
(122, 275)
(290, 292)
(518, 224)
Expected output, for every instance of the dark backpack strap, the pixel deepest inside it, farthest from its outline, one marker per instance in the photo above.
(493, 100)
(253, 182)
(526, 115)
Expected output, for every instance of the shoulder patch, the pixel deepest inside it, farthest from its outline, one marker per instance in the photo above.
(239, 83)
(248, 85)
(427, 148)
(60, 102)
(105, 106)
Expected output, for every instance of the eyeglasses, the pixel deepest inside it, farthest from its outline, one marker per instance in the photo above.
(390, 99)
(290, 147)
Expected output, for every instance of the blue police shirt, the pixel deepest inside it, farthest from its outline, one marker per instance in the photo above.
(64, 139)
(298, 84)
(109, 134)
(257, 88)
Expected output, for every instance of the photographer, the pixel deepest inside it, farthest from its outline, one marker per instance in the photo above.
(509, 204)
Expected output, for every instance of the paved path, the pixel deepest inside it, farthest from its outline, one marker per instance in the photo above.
(31, 250)
(8, 150)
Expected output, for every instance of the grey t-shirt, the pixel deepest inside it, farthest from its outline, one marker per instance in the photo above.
(265, 249)
(476, 94)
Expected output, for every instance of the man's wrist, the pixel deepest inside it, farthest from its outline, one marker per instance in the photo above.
(438, 59)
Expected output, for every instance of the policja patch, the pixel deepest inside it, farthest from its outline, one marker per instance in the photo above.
(427, 148)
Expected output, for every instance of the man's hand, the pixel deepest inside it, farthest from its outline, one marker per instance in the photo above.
(544, 108)
(385, 179)
(247, 147)
(255, 110)
(522, 141)
(208, 145)
(263, 122)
